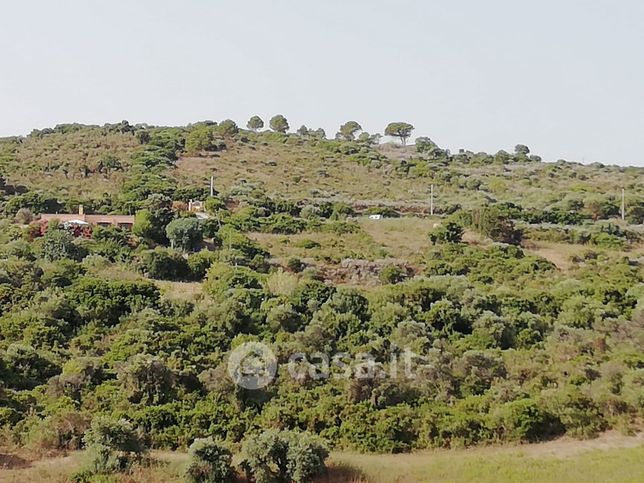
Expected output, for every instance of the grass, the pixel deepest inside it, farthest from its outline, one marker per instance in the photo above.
(190, 291)
(613, 458)
(325, 247)
(561, 254)
(406, 237)
(615, 465)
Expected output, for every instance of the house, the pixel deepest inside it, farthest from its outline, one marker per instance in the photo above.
(80, 219)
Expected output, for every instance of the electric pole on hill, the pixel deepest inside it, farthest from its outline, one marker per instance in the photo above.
(431, 200)
(623, 205)
(212, 186)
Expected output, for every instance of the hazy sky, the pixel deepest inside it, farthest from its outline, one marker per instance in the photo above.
(564, 77)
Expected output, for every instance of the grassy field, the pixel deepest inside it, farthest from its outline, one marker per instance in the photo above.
(624, 465)
(611, 457)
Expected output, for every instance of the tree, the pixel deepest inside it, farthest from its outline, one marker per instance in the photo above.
(317, 133)
(349, 130)
(185, 233)
(303, 130)
(227, 127)
(150, 223)
(200, 138)
(521, 150)
(255, 123)
(449, 233)
(279, 123)
(400, 130)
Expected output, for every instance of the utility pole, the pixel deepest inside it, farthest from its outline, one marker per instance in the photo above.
(623, 205)
(212, 186)
(431, 200)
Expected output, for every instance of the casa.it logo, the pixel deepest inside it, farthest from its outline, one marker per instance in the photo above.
(252, 365)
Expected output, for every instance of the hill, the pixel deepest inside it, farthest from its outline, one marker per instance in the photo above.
(76, 159)
(310, 305)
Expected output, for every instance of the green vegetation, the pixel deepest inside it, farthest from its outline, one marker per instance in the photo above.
(450, 331)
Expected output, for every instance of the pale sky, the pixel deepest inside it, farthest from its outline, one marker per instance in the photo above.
(564, 77)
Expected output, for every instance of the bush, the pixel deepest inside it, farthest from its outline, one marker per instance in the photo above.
(107, 300)
(147, 379)
(524, 420)
(165, 264)
(295, 265)
(112, 446)
(59, 244)
(61, 431)
(200, 262)
(448, 233)
(283, 456)
(210, 462)
(392, 274)
(282, 223)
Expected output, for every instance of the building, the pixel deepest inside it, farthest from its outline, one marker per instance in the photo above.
(119, 221)
(196, 206)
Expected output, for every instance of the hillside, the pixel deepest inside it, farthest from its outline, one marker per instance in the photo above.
(311, 313)
(70, 158)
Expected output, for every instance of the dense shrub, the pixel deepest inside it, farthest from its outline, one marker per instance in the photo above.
(200, 262)
(448, 233)
(392, 274)
(112, 446)
(60, 244)
(283, 456)
(185, 234)
(165, 264)
(210, 462)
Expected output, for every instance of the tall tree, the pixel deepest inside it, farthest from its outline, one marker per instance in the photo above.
(279, 123)
(349, 130)
(255, 123)
(400, 130)
(227, 127)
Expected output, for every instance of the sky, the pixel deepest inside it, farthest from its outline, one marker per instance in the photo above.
(564, 77)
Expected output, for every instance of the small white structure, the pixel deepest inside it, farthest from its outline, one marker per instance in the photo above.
(375, 217)
(196, 206)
